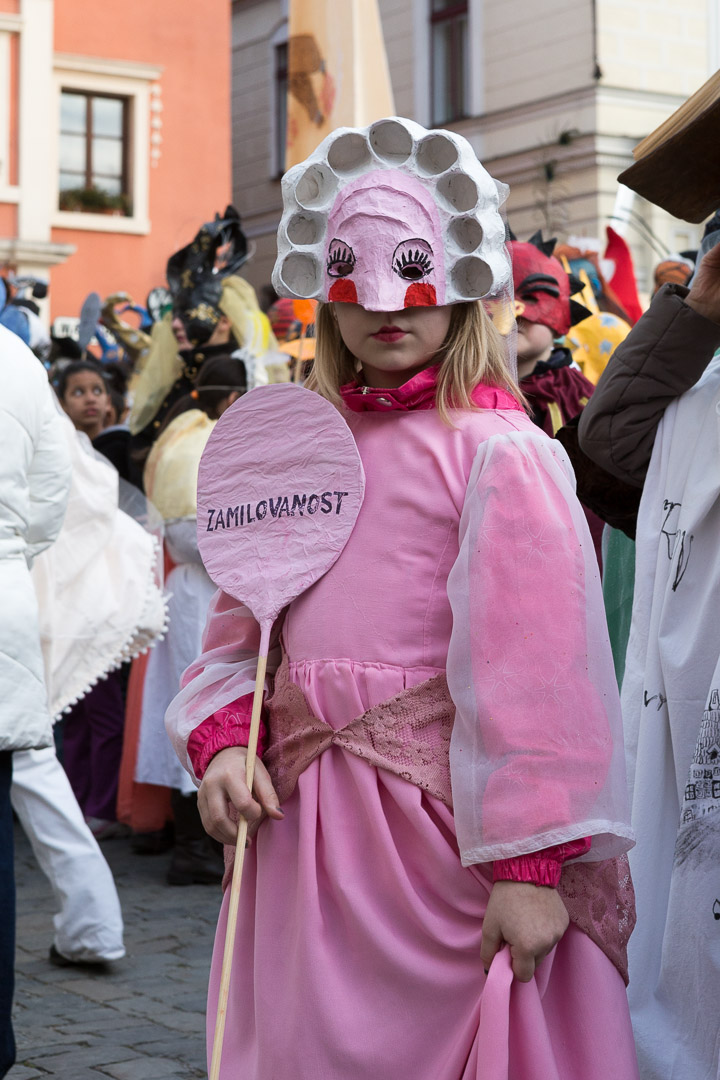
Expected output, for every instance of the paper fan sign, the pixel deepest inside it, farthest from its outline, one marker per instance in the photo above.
(280, 486)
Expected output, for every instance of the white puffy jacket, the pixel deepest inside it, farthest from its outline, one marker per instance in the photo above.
(34, 485)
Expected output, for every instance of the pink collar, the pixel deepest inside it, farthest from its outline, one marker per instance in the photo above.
(418, 393)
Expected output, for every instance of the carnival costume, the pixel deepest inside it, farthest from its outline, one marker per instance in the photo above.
(671, 707)
(98, 586)
(88, 922)
(555, 390)
(431, 724)
(34, 486)
(204, 285)
(171, 485)
(101, 606)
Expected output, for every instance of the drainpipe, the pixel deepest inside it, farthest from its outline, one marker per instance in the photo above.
(597, 70)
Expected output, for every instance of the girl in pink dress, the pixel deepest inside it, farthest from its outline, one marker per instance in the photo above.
(437, 887)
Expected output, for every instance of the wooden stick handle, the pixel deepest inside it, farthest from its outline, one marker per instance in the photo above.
(238, 868)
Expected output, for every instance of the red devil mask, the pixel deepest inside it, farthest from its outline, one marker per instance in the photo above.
(543, 288)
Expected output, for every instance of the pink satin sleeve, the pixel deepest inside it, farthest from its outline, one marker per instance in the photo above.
(541, 867)
(229, 726)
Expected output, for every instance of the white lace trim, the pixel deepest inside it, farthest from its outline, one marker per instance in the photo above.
(609, 839)
(145, 635)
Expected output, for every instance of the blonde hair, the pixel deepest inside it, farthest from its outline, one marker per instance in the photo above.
(473, 352)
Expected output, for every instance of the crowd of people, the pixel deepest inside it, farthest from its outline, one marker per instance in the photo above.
(481, 861)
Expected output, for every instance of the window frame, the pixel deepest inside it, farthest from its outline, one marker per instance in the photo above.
(90, 96)
(459, 108)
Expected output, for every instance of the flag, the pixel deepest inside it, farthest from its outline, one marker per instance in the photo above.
(623, 281)
(338, 73)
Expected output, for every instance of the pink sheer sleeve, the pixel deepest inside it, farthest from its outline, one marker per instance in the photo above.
(222, 675)
(536, 754)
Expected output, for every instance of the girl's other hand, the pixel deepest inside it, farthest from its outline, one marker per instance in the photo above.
(531, 919)
(224, 786)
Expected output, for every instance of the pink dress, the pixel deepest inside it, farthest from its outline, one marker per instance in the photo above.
(359, 932)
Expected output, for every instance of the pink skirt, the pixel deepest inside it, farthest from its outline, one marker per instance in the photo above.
(358, 948)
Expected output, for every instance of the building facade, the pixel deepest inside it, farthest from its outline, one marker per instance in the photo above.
(552, 96)
(114, 139)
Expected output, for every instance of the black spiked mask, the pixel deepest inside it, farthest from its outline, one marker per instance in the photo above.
(195, 273)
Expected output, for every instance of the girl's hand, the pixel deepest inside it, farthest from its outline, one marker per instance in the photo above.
(531, 919)
(224, 786)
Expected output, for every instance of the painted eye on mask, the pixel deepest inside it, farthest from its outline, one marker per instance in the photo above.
(413, 260)
(340, 260)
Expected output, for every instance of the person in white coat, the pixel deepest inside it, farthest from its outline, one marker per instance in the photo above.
(654, 423)
(100, 604)
(34, 485)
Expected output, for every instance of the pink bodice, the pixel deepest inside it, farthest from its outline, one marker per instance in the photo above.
(385, 600)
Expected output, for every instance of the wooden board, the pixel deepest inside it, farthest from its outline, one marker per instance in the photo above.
(682, 174)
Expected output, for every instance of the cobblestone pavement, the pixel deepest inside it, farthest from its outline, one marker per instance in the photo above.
(144, 1019)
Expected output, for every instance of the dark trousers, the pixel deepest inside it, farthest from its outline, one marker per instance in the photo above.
(92, 747)
(7, 916)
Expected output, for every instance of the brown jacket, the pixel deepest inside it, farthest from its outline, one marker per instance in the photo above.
(663, 356)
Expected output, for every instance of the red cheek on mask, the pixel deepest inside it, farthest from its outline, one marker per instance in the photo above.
(343, 291)
(420, 294)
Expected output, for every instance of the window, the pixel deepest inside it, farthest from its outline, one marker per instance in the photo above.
(449, 60)
(108, 136)
(94, 153)
(281, 94)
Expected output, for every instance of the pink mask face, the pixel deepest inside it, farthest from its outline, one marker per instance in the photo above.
(385, 249)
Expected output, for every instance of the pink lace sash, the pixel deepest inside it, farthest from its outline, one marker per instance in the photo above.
(409, 735)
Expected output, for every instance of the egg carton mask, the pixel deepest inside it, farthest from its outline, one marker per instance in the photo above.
(392, 216)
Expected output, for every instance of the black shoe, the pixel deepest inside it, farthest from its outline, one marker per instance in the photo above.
(61, 961)
(196, 860)
(195, 863)
(153, 843)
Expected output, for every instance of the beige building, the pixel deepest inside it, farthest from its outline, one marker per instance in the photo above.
(553, 96)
